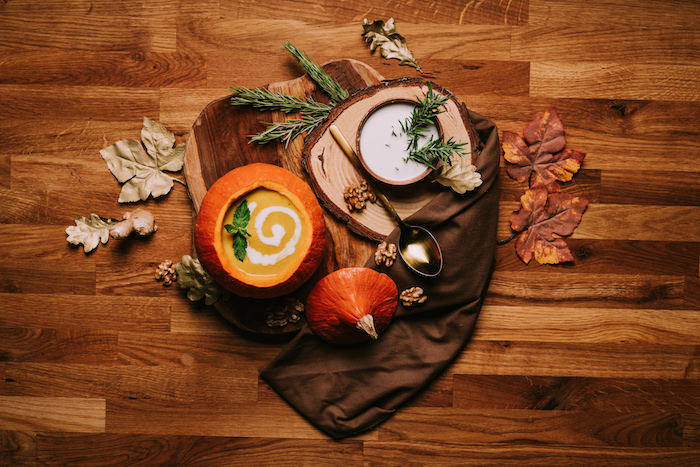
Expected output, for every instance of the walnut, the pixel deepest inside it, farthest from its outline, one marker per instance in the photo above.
(385, 254)
(413, 296)
(282, 313)
(166, 272)
(356, 197)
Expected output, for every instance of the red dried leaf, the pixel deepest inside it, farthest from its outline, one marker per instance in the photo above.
(541, 216)
(540, 157)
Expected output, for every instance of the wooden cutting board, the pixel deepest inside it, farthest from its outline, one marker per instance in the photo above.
(219, 142)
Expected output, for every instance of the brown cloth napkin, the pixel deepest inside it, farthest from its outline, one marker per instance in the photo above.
(346, 389)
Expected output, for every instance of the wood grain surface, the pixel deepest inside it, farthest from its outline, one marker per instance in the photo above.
(593, 362)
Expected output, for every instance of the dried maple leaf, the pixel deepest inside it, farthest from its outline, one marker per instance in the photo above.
(540, 157)
(541, 216)
(142, 171)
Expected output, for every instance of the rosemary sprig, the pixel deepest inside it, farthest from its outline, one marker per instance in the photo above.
(323, 79)
(423, 116)
(436, 150)
(417, 124)
(264, 99)
(288, 130)
(312, 112)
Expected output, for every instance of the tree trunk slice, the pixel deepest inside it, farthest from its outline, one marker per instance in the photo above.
(331, 171)
(219, 142)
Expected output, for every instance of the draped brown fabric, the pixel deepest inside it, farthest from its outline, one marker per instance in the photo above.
(346, 389)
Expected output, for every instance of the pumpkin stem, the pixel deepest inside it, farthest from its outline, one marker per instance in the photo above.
(366, 323)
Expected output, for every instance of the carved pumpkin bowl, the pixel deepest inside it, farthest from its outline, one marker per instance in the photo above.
(260, 231)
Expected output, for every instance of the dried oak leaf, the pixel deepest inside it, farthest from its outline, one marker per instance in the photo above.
(540, 157)
(540, 217)
(142, 171)
(90, 231)
(192, 276)
(391, 44)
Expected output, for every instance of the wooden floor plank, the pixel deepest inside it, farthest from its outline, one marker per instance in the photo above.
(207, 419)
(132, 383)
(623, 14)
(204, 34)
(591, 395)
(17, 447)
(602, 44)
(21, 206)
(616, 257)
(450, 426)
(70, 311)
(588, 325)
(58, 346)
(52, 414)
(66, 448)
(130, 69)
(448, 12)
(189, 350)
(658, 188)
(82, 33)
(611, 80)
(388, 453)
(579, 359)
(31, 277)
(670, 223)
(74, 102)
(546, 287)
(616, 134)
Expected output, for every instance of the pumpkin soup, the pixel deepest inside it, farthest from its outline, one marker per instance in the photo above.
(274, 231)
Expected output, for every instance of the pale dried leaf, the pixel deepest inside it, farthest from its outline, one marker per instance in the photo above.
(459, 176)
(141, 171)
(192, 276)
(90, 232)
(390, 43)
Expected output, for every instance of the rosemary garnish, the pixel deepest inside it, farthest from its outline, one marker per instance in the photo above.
(264, 99)
(323, 79)
(288, 130)
(312, 112)
(435, 150)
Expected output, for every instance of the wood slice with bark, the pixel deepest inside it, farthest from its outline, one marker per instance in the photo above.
(331, 171)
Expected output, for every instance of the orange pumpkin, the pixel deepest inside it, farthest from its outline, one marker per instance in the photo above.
(351, 305)
(261, 275)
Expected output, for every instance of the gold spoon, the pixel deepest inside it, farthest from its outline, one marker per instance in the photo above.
(417, 246)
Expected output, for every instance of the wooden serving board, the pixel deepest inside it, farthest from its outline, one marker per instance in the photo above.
(219, 141)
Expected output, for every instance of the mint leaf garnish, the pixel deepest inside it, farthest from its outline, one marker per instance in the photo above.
(240, 243)
(241, 217)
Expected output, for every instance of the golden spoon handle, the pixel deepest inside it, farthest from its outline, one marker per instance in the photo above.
(350, 152)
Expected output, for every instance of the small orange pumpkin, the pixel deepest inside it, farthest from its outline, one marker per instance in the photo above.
(215, 252)
(351, 305)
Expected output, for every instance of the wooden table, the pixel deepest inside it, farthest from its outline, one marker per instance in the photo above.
(590, 362)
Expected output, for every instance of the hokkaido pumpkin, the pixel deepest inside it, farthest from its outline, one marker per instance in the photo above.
(282, 235)
(351, 305)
